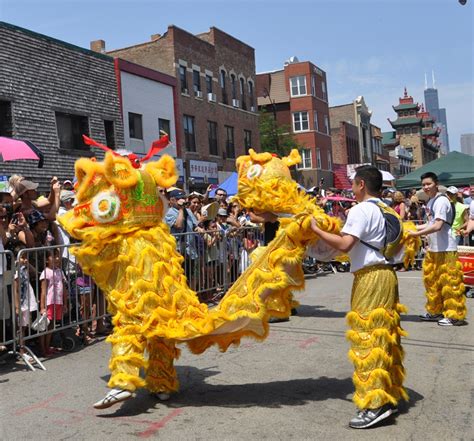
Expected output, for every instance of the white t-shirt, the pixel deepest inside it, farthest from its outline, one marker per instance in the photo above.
(442, 240)
(471, 210)
(366, 222)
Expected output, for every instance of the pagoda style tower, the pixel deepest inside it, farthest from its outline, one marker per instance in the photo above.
(415, 131)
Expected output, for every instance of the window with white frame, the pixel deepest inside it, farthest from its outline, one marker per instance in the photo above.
(329, 161)
(326, 124)
(315, 121)
(323, 87)
(313, 85)
(300, 121)
(306, 161)
(318, 158)
(298, 85)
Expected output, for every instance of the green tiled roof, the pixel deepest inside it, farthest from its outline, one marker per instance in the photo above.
(405, 121)
(389, 138)
(405, 106)
(429, 131)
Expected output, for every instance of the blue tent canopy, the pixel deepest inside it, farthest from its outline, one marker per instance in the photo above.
(229, 185)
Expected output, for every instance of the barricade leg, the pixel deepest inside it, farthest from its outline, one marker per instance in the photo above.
(161, 375)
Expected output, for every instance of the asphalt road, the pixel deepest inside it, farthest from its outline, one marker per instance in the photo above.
(294, 386)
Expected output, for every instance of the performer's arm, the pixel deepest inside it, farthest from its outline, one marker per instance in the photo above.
(427, 229)
(341, 243)
(261, 218)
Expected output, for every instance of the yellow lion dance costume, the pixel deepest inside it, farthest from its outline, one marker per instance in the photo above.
(128, 250)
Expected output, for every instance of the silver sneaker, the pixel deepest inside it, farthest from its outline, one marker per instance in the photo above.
(450, 322)
(368, 417)
(427, 317)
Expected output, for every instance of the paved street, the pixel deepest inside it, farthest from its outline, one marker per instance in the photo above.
(296, 385)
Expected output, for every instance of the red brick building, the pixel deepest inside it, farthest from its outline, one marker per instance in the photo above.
(217, 115)
(297, 96)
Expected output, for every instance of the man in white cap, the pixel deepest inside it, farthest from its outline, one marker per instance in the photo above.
(460, 214)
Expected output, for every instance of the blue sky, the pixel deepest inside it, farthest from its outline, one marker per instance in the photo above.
(372, 48)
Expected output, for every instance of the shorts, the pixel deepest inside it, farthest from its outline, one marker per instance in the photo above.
(55, 312)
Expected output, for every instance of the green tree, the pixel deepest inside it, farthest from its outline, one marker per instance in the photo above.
(275, 138)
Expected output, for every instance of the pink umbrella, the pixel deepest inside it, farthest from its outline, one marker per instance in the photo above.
(339, 199)
(13, 149)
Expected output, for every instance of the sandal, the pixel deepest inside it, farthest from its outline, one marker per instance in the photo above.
(113, 397)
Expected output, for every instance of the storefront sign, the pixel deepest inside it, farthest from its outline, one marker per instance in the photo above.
(203, 171)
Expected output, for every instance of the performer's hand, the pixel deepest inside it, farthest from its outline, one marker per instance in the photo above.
(314, 225)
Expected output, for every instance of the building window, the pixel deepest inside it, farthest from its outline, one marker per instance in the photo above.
(212, 136)
(70, 130)
(196, 82)
(329, 161)
(109, 133)
(189, 138)
(164, 125)
(313, 85)
(406, 130)
(399, 132)
(247, 140)
(233, 85)
(6, 120)
(326, 124)
(323, 87)
(183, 80)
(298, 85)
(412, 112)
(315, 121)
(414, 130)
(300, 121)
(251, 101)
(242, 94)
(208, 84)
(135, 126)
(229, 143)
(306, 160)
(318, 158)
(223, 87)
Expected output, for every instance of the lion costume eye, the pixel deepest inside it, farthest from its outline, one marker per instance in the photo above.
(105, 207)
(254, 171)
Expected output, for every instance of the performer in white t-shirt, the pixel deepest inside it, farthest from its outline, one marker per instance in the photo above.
(374, 317)
(442, 271)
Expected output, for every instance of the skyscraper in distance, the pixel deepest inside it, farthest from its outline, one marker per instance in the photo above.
(432, 106)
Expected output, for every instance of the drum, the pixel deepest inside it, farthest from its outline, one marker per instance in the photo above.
(466, 257)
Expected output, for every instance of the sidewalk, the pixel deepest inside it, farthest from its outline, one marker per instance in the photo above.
(294, 386)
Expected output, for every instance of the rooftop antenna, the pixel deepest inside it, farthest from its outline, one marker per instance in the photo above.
(432, 75)
(426, 82)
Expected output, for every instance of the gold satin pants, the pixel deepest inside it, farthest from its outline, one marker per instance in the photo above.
(374, 335)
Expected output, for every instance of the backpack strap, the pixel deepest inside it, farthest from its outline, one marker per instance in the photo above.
(385, 223)
(453, 208)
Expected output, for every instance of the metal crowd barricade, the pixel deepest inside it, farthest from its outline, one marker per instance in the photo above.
(214, 259)
(7, 304)
(69, 313)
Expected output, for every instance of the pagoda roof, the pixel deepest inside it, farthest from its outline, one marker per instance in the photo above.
(389, 139)
(406, 106)
(430, 131)
(405, 122)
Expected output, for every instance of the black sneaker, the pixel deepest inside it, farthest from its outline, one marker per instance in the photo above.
(278, 319)
(368, 417)
(427, 317)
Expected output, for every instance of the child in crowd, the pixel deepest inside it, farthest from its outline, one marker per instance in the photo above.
(374, 317)
(54, 297)
(25, 300)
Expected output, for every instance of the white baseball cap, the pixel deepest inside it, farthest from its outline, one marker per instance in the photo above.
(452, 190)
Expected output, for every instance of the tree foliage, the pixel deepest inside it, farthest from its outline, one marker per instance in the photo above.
(275, 138)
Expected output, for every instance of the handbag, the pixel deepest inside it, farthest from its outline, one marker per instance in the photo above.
(41, 323)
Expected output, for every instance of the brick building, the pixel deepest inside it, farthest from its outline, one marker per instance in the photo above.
(415, 131)
(380, 158)
(357, 114)
(297, 97)
(217, 119)
(51, 93)
(345, 150)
